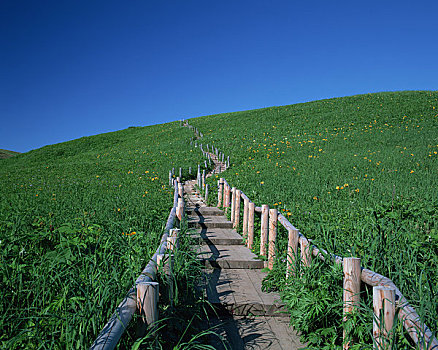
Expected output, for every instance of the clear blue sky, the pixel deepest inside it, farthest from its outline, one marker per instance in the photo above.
(75, 68)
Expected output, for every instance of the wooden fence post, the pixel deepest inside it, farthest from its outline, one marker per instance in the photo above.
(147, 304)
(173, 239)
(220, 192)
(273, 219)
(306, 255)
(233, 203)
(292, 251)
(170, 178)
(180, 190)
(180, 209)
(206, 193)
(384, 313)
(227, 191)
(203, 179)
(251, 212)
(352, 274)
(264, 229)
(237, 209)
(245, 218)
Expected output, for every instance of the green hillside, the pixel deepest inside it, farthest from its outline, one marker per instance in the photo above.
(358, 175)
(78, 222)
(7, 154)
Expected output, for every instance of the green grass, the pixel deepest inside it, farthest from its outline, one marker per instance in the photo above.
(78, 223)
(7, 154)
(357, 175)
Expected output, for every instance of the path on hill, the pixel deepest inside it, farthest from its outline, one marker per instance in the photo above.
(247, 317)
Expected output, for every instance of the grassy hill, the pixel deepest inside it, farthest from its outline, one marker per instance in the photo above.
(7, 154)
(78, 222)
(358, 175)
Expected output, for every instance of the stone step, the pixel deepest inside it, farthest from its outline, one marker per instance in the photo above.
(255, 333)
(218, 236)
(238, 292)
(209, 222)
(229, 257)
(204, 211)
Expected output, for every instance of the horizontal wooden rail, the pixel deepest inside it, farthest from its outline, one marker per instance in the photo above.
(417, 330)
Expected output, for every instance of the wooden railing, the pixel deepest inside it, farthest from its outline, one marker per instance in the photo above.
(386, 296)
(143, 295)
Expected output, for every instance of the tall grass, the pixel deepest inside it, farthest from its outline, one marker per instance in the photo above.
(357, 175)
(78, 222)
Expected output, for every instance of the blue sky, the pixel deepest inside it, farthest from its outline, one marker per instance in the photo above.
(76, 68)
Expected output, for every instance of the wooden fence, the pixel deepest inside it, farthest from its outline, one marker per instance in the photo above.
(143, 296)
(386, 296)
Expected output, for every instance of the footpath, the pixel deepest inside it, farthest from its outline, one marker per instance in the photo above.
(246, 317)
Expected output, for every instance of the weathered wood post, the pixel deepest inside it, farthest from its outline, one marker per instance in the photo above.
(220, 192)
(227, 195)
(233, 204)
(228, 161)
(190, 170)
(205, 163)
(245, 217)
(237, 209)
(180, 173)
(170, 178)
(306, 255)
(352, 274)
(292, 251)
(206, 193)
(203, 179)
(264, 229)
(180, 209)
(384, 313)
(147, 304)
(273, 220)
(173, 239)
(251, 211)
(180, 190)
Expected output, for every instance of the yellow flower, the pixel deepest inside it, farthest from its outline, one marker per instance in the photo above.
(315, 198)
(262, 183)
(411, 171)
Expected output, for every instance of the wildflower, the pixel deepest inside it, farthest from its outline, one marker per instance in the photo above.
(411, 172)
(356, 190)
(261, 183)
(315, 197)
